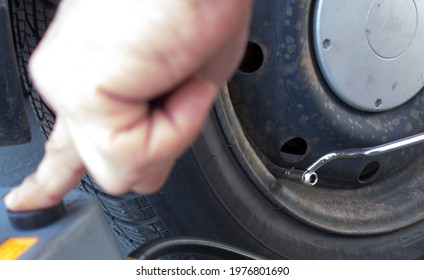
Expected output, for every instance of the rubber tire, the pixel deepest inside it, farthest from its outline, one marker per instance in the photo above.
(208, 194)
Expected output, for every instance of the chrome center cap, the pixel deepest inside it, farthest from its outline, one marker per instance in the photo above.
(371, 52)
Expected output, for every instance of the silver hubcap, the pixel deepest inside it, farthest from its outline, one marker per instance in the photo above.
(371, 52)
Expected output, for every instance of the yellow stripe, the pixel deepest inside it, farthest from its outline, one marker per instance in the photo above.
(14, 247)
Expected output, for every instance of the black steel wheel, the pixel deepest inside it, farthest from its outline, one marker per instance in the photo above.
(286, 107)
(290, 115)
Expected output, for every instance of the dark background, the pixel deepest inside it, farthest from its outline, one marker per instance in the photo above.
(18, 161)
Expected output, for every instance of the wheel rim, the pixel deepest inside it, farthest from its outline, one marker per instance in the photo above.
(283, 78)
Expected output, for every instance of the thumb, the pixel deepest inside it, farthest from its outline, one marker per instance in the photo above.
(60, 169)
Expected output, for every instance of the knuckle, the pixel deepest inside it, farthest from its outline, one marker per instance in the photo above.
(148, 188)
(114, 183)
(113, 188)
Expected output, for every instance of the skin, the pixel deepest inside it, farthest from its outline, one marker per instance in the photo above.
(131, 84)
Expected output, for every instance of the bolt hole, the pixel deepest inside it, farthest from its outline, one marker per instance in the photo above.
(314, 179)
(253, 58)
(369, 173)
(294, 150)
(327, 44)
(378, 103)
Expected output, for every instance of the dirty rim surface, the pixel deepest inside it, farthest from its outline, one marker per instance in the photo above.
(284, 113)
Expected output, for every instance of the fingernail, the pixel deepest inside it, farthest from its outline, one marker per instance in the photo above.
(11, 198)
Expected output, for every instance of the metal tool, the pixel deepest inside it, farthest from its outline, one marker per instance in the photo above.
(309, 176)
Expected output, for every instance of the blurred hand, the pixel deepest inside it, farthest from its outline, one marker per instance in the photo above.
(131, 83)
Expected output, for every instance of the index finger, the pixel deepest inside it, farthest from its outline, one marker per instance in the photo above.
(60, 169)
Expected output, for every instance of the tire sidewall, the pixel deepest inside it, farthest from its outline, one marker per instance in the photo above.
(230, 208)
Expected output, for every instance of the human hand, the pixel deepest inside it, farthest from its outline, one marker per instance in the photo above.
(131, 83)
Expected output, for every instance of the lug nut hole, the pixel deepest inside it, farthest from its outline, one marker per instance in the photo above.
(294, 150)
(369, 173)
(327, 44)
(253, 58)
(378, 103)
